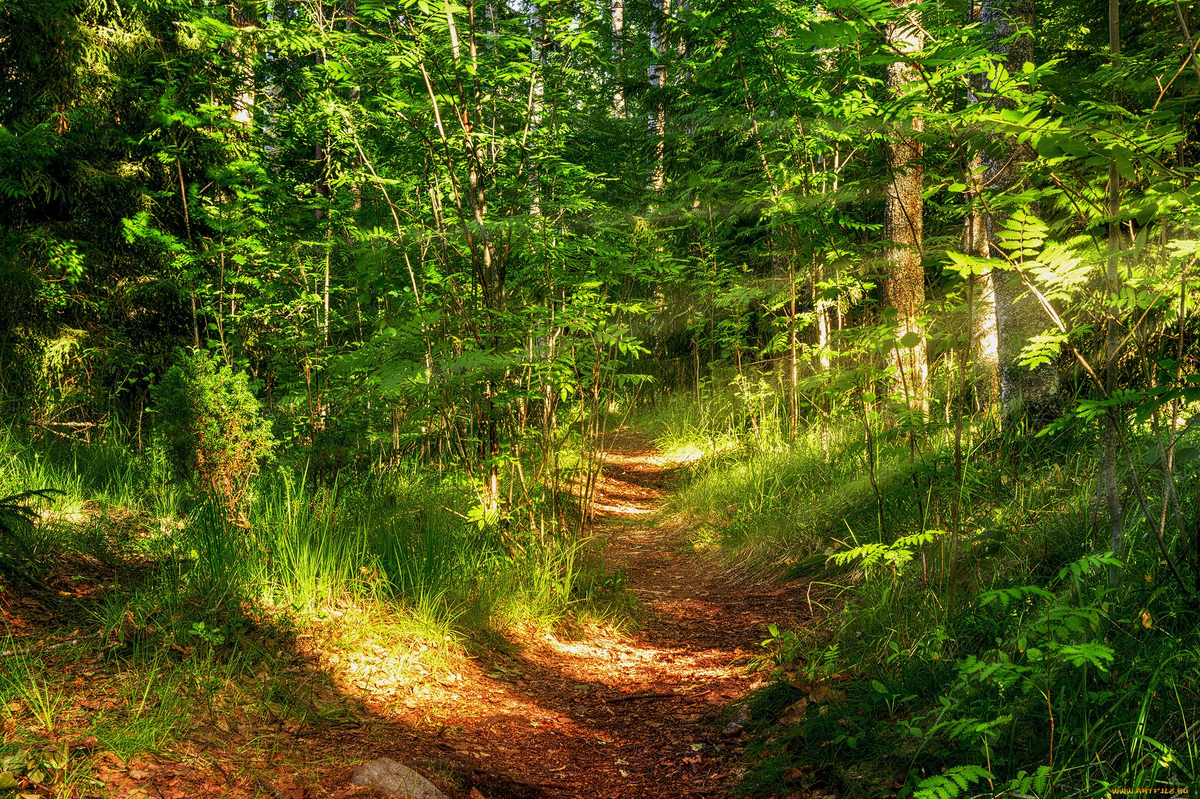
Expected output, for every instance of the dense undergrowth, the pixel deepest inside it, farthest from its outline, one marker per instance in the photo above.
(978, 638)
(180, 610)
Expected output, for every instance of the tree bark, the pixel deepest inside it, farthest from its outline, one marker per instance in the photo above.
(1028, 393)
(244, 17)
(1112, 281)
(981, 288)
(537, 92)
(983, 298)
(904, 212)
(618, 47)
(657, 119)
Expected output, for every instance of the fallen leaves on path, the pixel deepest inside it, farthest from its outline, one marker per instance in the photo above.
(600, 713)
(607, 713)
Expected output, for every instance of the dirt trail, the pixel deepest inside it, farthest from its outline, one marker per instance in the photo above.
(609, 715)
(603, 714)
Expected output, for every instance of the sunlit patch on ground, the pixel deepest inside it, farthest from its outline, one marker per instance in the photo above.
(588, 711)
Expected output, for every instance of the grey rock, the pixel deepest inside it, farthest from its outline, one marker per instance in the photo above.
(394, 779)
(738, 725)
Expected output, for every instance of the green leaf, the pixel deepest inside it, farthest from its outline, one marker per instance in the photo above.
(967, 265)
(951, 783)
(1088, 653)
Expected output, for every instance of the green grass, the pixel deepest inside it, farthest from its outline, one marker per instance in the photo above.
(190, 616)
(24, 682)
(957, 649)
(398, 536)
(152, 696)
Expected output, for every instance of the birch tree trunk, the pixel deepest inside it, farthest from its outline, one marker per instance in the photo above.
(904, 212)
(1029, 393)
(982, 289)
(984, 344)
(243, 15)
(537, 91)
(657, 119)
(982, 300)
(618, 48)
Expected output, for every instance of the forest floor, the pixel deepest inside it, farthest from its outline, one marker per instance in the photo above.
(598, 713)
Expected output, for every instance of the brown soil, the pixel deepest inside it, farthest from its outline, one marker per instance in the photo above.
(601, 713)
(639, 714)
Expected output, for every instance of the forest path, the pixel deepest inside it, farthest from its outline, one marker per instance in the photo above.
(609, 714)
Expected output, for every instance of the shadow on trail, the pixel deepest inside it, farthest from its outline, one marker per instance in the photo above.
(606, 714)
(635, 715)
(609, 714)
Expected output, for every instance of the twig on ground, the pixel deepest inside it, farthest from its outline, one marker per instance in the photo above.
(224, 773)
(25, 650)
(268, 788)
(643, 696)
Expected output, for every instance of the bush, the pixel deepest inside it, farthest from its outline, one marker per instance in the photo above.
(211, 426)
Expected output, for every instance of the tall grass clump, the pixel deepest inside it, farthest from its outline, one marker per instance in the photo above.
(482, 574)
(776, 506)
(977, 633)
(304, 558)
(399, 537)
(685, 432)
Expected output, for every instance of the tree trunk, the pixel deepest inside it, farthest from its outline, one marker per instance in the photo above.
(618, 47)
(981, 288)
(1019, 315)
(657, 119)
(983, 297)
(904, 213)
(1112, 332)
(1028, 393)
(537, 93)
(243, 16)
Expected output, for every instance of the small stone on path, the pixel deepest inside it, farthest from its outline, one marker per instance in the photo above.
(387, 776)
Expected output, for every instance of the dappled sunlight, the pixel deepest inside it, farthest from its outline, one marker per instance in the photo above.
(617, 665)
(622, 510)
(691, 453)
(597, 711)
(313, 668)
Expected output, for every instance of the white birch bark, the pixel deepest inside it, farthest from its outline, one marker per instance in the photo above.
(1025, 392)
(618, 47)
(657, 118)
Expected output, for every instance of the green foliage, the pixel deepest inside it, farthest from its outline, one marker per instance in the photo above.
(951, 784)
(895, 556)
(428, 259)
(47, 767)
(781, 649)
(964, 646)
(17, 515)
(394, 537)
(211, 426)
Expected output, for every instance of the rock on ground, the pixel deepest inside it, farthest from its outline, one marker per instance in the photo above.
(389, 777)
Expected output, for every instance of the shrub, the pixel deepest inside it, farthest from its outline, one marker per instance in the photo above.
(211, 426)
